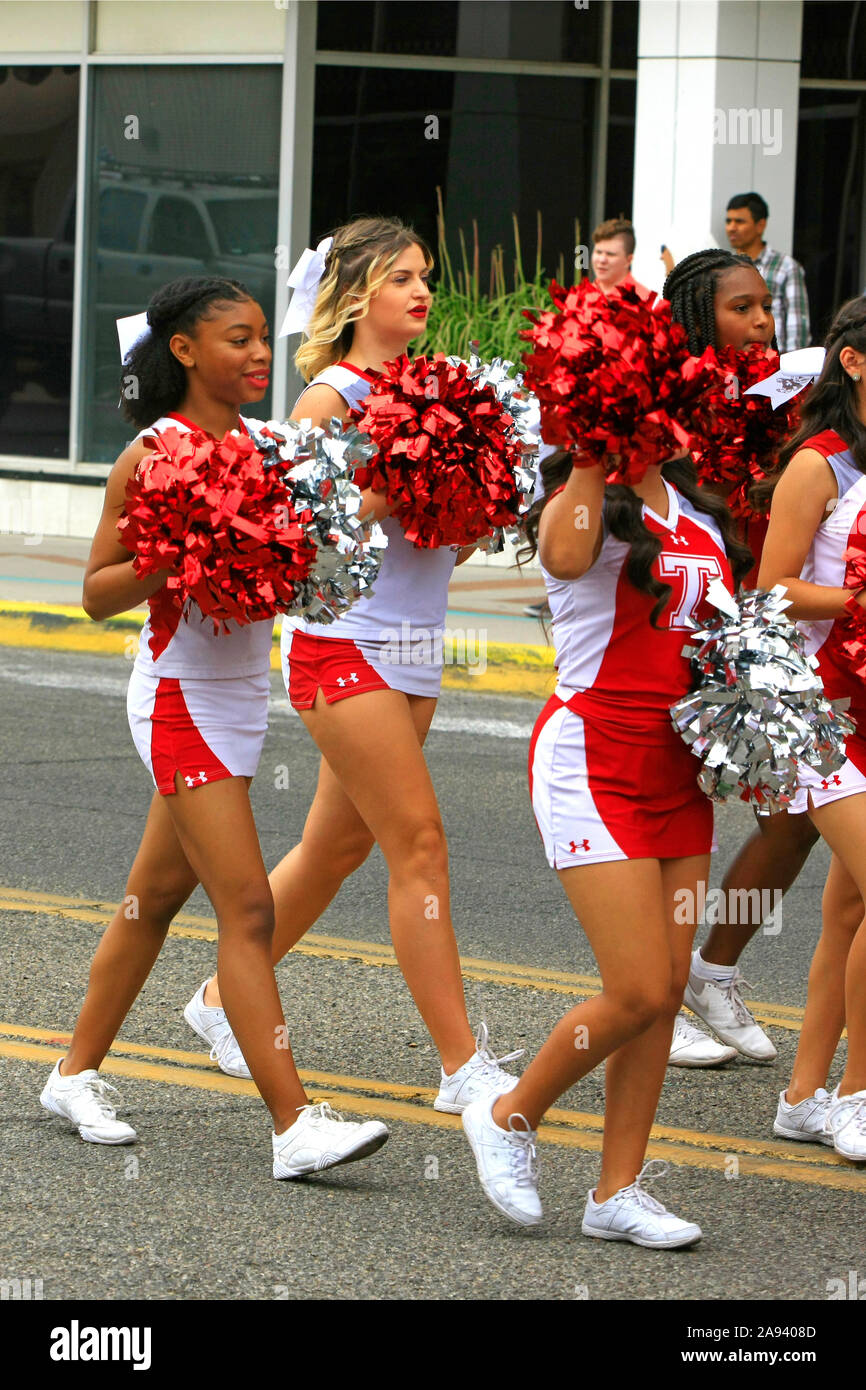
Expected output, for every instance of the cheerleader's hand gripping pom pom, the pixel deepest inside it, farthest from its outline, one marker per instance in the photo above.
(206, 509)
(735, 435)
(316, 466)
(455, 447)
(244, 541)
(759, 706)
(607, 370)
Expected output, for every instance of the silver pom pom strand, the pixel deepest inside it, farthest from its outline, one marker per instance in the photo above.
(759, 708)
(316, 466)
(522, 405)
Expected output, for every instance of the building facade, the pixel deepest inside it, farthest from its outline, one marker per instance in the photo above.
(139, 142)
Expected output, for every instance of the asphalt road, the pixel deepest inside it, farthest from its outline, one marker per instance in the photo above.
(191, 1211)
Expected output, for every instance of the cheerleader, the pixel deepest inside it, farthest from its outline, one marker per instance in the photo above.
(722, 301)
(367, 688)
(818, 509)
(197, 705)
(621, 817)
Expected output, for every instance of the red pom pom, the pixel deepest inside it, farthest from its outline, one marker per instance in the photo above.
(447, 451)
(207, 509)
(606, 369)
(735, 438)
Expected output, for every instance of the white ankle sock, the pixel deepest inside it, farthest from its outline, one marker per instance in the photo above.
(706, 970)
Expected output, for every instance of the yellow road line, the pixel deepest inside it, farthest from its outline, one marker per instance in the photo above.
(509, 668)
(574, 1119)
(839, 1174)
(327, 947)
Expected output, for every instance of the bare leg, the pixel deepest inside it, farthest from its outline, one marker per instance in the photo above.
(843, 825)
(619, 907)
(769, 861)
(371, 743)
(159, 884)
(215, 825)
(335, 842)
(627, 911)
(841, 912)
(636, 1072)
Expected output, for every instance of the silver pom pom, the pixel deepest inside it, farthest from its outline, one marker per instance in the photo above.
(759, 707)
(316, 466)
(522, 405)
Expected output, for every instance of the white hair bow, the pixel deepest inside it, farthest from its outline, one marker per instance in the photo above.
(796, 371)
(130, 331)
(304, 280)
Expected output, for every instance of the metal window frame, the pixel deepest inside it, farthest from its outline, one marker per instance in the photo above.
(295, 166)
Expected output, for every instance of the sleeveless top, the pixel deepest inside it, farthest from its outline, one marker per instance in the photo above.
(192, 648)
(824, 565)
(625, 672)
(403, 619)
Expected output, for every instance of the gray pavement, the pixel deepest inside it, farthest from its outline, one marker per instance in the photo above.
(197, 1215)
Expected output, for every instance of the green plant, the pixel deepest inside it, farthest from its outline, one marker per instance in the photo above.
(462, 314)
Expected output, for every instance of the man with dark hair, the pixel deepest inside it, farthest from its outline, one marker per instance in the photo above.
(745, 221)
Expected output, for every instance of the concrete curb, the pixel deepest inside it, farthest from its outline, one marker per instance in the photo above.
(499, 668)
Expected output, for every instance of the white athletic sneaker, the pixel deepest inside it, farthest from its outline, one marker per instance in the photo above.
(721, 1007)
(693, 1048)
(506, 1160)
(83, 1099)
(481, 1077)
(632, 1214)
(805, 1120)
(214, 1028)
(845, 1123)
(320, 1138)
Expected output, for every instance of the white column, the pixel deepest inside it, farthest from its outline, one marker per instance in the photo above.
(717, 104)
(296, 181)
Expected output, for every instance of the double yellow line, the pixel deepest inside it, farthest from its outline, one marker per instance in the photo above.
(731, 1155)
(364, 952)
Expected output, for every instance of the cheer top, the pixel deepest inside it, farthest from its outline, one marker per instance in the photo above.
(613, 666)
(824, 565)
(405, 614)
(193, 649)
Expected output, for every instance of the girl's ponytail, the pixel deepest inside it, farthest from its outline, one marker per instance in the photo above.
(831, 403)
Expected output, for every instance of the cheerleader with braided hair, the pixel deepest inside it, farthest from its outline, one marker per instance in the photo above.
(722, 301)
(198, 706)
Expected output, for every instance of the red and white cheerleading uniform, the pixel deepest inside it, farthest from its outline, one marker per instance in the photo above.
(824, 565)
(390, 639)
(609, 776)
(198, 699)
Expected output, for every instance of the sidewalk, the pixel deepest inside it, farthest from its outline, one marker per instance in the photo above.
(490, 644)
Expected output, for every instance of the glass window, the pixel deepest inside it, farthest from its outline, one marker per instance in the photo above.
(619, 176)
(176, 229)
(38, 152)
(828, 210)
(834, 39)
(242, 225)
(120, 219)
(535, 30)
(181, 184)
(502, 145)
(623, 34)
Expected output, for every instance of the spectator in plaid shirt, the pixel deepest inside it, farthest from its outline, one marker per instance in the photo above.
(745, 221)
